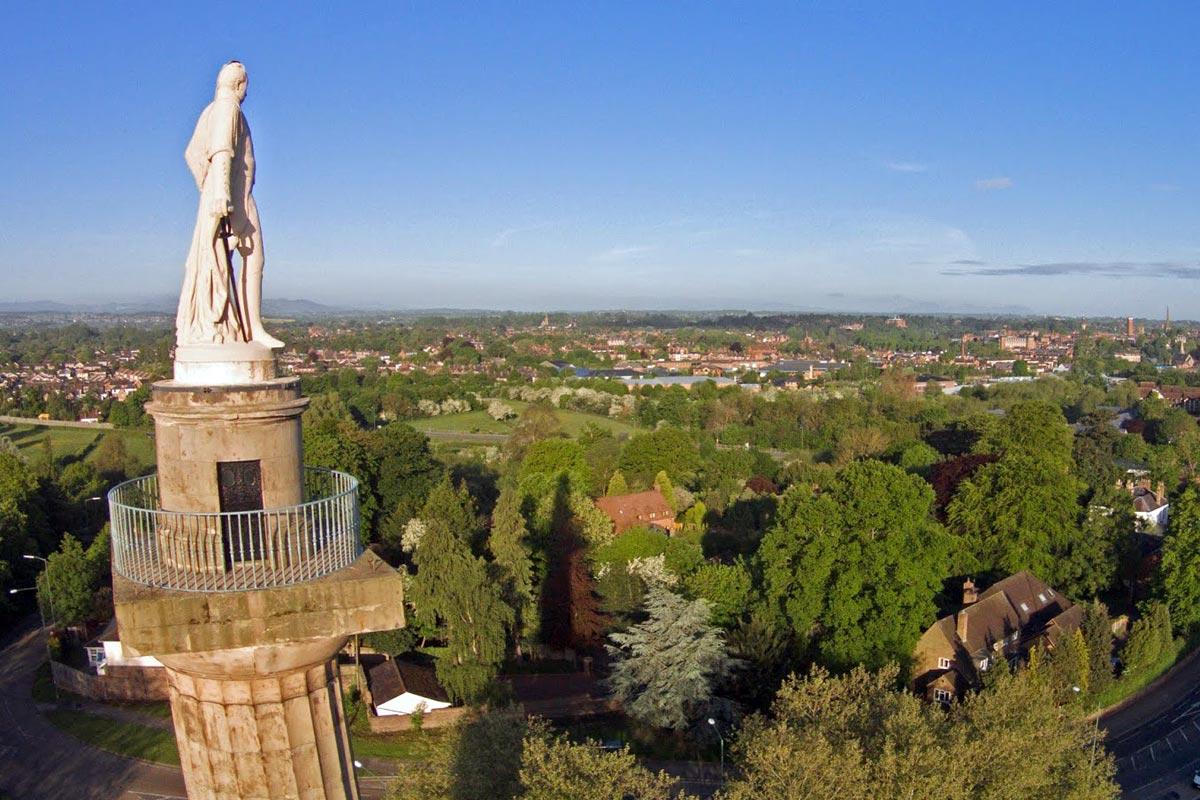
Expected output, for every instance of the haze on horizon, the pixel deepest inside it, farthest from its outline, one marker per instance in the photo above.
(1030, 158)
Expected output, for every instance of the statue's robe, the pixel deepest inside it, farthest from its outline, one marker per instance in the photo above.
(208, 302)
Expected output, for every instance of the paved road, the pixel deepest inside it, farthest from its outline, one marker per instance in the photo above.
(40, 762)
(1156, 739)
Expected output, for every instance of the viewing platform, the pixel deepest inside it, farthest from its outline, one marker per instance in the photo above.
(233, 551)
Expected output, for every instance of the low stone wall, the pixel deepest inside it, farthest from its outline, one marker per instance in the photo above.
(430, 719)
(118, 682)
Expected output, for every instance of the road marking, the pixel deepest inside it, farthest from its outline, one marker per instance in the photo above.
(1168, 741)
(1184, 735)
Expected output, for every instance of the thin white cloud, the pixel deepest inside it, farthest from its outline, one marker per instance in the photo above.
(906, 166)
(991, 184)
(622, 253)
(502, 238)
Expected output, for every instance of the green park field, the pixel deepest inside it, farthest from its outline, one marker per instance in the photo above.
(573, 422)
(74, 443)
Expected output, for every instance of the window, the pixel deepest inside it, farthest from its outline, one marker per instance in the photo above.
(943, 663)
(1050, 592)
(984, 664)
(1025, 608)
(1042, 597)
(941, 695)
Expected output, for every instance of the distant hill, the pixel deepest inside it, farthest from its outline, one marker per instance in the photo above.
(284, 308)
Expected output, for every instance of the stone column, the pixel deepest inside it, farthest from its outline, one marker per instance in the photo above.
(262, 723)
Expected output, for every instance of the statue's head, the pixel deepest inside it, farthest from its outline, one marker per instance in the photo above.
(232, 78)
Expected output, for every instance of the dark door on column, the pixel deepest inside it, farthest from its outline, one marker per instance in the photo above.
(239, 484)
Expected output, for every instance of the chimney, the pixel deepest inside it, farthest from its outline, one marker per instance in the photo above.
(969, 593)
(962, 626)
(1161, 490)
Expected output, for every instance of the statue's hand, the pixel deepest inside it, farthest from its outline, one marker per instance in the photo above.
(220, 206)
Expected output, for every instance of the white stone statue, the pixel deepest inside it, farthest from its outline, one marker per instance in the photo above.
(216, 308)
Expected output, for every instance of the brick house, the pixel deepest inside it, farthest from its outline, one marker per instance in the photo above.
(645, 509)
(1005, 621)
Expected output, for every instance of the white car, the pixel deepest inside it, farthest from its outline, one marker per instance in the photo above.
(1196, 779)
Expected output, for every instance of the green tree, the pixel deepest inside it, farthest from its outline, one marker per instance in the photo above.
(662, 482)
(554, 768)
(1069, 667)
(68, 584)
(666, 667)
(341, 445)
(858, 565)
(636, 542)
(1092, 559)
(508, 543)
(726, 587)
(547, 462)
(1097, 633)
(1146, 642)
(454, 590)
(1032, 427)
(647, 454)
(112, 458)
(1021, 512)
(452, 508)
(856, 737)
(617, 485)
(1179, 573)
(537, 422)
(407, 469)
(478, 756)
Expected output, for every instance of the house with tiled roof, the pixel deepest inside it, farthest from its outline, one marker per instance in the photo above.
(1003, 622)
(640, 509)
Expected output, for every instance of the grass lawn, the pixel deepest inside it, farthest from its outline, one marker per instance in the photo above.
(399, 746)
(74, 442)
(122, 738)
(573, 422)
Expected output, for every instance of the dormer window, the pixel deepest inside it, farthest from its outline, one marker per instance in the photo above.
(1025, 608)
(944, 663)
(1042, 597)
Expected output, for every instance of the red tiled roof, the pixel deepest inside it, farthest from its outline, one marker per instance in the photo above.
(641, 508)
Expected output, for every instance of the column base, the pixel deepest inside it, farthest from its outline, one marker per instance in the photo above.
(249, 736)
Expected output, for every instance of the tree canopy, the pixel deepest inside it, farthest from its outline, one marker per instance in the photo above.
(856, 566)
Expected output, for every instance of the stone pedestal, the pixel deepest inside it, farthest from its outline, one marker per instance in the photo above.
(223, 364)
(197, 428)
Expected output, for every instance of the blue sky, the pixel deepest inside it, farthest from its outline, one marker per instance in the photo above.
(879, 157)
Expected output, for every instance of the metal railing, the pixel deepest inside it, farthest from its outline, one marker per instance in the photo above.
(235, 550)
